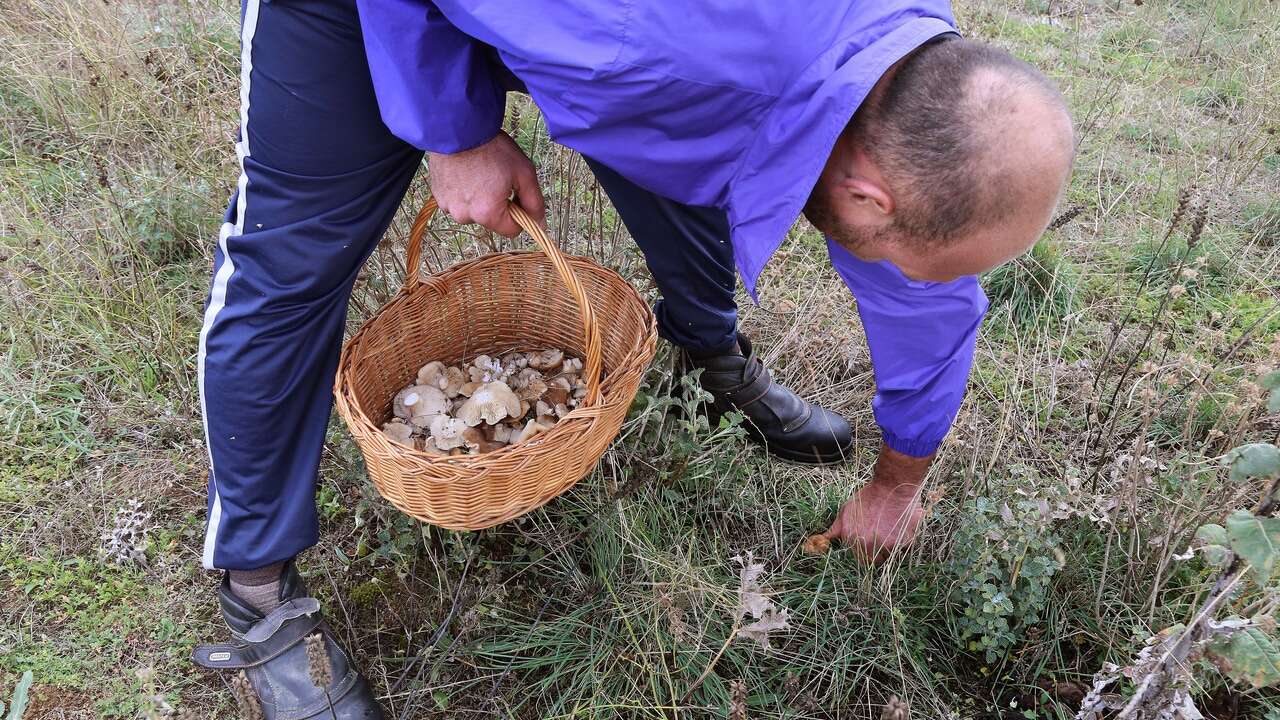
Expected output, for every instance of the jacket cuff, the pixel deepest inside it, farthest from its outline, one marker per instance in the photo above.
(914, 447)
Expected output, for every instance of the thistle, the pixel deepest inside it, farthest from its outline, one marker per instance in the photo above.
(1184, 199)
(895, 709)
(246, 698)
(318, 667)
(1197, 226)
(1067, 216)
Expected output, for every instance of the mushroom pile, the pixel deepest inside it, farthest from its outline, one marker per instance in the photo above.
(486, 404)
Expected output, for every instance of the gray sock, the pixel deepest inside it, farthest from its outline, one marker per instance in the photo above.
(260, 588)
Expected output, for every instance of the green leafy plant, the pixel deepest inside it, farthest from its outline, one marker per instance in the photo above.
(1005, 558)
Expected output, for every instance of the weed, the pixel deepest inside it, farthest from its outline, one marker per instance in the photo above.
(1004, 559)
(1039, 286)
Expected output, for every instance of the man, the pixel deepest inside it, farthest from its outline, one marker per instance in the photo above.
(924, 158)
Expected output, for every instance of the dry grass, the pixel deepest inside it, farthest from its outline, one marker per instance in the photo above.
(114, 166)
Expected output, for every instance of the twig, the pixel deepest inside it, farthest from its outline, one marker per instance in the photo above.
(684, 700)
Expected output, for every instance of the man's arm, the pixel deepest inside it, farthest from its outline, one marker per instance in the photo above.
(437, 89)
(922, 337)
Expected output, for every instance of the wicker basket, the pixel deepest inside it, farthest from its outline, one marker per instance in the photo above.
(492, 305)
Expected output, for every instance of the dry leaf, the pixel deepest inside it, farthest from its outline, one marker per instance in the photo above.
(773, 619)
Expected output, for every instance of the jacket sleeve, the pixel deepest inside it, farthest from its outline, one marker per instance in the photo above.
(436, 86)
(922, 337)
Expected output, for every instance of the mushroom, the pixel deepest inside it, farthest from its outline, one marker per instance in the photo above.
(425, 403)
(492, 402)
(479, 440)
(399, 431)
(533, 389)
(418, 403)
(532, 428)
(485, 369)
(447, 432)
(514, 361)
(546, 360)
(447, 379)
(503, 433)
(524, 377)
(428, 445)
(571, 365)
(556, 396)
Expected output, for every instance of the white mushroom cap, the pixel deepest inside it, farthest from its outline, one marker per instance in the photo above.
(485, 369)
(448, 380)
(418, 400)
(425, 402)
(492, 402)
(431, 373)
(447, 432)
(399, 431)
(571, 365)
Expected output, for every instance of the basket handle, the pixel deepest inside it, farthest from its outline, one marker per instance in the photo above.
(590, 331)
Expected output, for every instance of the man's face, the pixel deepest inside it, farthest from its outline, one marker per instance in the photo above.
(973, 253)
(848, 218)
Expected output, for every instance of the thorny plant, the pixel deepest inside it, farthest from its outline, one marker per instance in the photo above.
(1233, 631)
(126, 542)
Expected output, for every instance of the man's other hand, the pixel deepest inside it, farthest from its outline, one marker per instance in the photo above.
(473, 186)
(884, 514)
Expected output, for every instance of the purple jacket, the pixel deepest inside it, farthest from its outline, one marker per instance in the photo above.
(728, 104)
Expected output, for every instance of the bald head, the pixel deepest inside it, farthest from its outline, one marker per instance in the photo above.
(957, 140)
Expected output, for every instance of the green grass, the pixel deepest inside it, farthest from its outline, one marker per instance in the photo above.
(613, 600)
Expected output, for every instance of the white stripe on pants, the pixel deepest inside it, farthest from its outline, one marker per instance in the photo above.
(218, 294)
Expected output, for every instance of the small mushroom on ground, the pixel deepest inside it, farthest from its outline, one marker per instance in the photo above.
(492, 402)
(817, 544)
(546, 360)
(531, 429)
(399, 431)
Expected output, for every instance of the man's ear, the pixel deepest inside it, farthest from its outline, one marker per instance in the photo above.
(868, 198)
(865, 191)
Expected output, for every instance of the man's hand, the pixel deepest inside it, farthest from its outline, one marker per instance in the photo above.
(473, 186)
(885, 513)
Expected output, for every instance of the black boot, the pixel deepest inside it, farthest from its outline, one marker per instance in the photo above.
(777, 418)
(273, 675)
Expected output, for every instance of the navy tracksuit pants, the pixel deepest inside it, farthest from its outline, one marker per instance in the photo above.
(320, 179)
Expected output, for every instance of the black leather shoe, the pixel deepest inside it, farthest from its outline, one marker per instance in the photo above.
(777, 418)
(278, 659)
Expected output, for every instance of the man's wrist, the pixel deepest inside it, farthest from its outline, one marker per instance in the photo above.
(899, 472)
